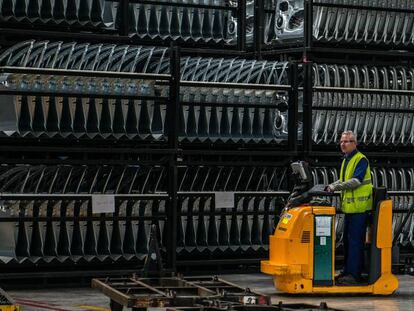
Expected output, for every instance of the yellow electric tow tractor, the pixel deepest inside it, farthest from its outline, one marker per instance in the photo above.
(302, 248)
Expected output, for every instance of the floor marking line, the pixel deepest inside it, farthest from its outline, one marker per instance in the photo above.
(39, 305)
(94, 308)
(38, 302)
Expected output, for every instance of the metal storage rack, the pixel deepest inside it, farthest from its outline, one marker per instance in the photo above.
(47, 201)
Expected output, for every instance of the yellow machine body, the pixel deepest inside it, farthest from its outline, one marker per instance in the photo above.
(292, 253)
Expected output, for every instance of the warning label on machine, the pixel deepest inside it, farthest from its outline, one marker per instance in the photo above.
(286, 218)
(323, 225)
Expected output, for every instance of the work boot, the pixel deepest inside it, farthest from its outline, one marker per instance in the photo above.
(347, 280)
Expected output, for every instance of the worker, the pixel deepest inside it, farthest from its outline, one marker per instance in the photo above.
(356, 200)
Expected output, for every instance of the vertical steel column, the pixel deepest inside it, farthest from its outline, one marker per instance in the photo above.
(307, 107)
(307, 78)
(124, 18)
(308, 27)
(258, 33)
(293, 109)
(172, 121)
(241, 25)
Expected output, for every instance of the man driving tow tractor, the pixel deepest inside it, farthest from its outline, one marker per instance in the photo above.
(356, 201)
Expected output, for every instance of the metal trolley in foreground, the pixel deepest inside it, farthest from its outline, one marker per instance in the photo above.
(141, 293)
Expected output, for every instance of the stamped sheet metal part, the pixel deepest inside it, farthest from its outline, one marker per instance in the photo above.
(93, 106)
(381, 25)
(47, 213)
(201, 21)
(377, 118)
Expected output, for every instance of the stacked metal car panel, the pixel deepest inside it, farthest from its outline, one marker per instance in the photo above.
(348, 25)
(243, 230)
(203, 21)
(196, 22)
(75, 237)
(84, 13)
(86, 117)
(371, 126)
(49, 217)
(228, 232)
(193, 24)
(49, 213)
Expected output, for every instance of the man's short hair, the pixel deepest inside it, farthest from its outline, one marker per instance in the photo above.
(350, 133)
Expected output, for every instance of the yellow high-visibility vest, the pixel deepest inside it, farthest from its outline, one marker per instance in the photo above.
(357, 200)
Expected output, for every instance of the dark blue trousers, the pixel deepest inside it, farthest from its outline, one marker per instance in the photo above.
(354, 242)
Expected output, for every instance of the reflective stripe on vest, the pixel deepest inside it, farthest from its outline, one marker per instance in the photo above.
(356, 200)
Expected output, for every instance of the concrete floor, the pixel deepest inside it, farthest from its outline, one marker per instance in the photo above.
(89, 299)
